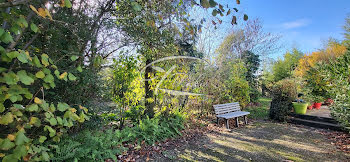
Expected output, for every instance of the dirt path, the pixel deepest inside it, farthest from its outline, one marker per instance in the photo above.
(259, 141)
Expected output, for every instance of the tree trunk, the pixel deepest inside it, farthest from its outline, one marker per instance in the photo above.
(148, 92)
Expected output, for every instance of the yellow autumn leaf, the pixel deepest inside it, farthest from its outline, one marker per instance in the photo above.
(34, 9)
(27, 53)
(7, 96)
(83, 108)
(2, 155)
(63, 75)
(33, 120)
(73, 110)
(48, 14)
(20, 128)
(42, 12)
(62, 4)
(37, 100)
(11, 137)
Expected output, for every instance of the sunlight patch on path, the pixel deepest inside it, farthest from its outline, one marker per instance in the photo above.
(264, 141)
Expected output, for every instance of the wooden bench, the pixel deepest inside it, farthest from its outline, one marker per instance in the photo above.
(228, 111)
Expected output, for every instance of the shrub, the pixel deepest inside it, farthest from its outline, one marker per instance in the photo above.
(236, 86)
(88, 145)
(135, 113)
(159, 128)
(336, 75)
(98, 145)
(88, 81)
(284, 92)
(254, 95)
(26, 119)
(316, 84)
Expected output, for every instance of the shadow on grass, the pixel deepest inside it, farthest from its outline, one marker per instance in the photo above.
(264, 141)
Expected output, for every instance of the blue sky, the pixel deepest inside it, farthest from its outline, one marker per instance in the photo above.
(302, 23)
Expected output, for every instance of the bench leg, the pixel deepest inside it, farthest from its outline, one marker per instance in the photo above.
(245, 119)
(237, 124)
(217, 120)
(227, 124)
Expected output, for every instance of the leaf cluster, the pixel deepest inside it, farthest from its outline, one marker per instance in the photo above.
(284, 93)
(97, 145)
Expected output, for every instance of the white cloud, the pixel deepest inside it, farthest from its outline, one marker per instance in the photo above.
(295, 24)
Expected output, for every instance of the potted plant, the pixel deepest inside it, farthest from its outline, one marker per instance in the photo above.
(318, 102)
(300, 106)
(310, 106)
(328, 101)
(308, 99)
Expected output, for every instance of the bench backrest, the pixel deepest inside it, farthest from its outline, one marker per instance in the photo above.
(226, 108)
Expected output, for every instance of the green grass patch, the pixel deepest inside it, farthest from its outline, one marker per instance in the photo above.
(265, 101)
(261, 111)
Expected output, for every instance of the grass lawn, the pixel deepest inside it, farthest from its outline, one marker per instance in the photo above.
(261, 111)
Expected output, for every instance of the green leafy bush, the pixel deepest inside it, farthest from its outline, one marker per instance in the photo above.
(236, 86)
(88, 146)
(336, 76)
(135, 113)
(88, 81)
(97, 145)
(254, 95)
(27, 121)
(159, 128)
(284, 92)
(316, 84)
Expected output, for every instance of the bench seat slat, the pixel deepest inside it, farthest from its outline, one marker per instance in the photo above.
(226, 108)
(233, 114)
(233, 107)
(226, 111)
(230, 104)
(221, 107)
(218, 108)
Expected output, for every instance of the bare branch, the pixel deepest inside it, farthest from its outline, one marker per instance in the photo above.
(17, 39)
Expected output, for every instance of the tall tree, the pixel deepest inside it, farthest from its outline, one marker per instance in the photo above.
(284, 68)
(250, 38)
(154, 25)
(252, 63)
(347, 30)
(332, 51)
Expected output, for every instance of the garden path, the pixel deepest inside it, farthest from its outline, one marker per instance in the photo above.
(322, 112)
(259, 141)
